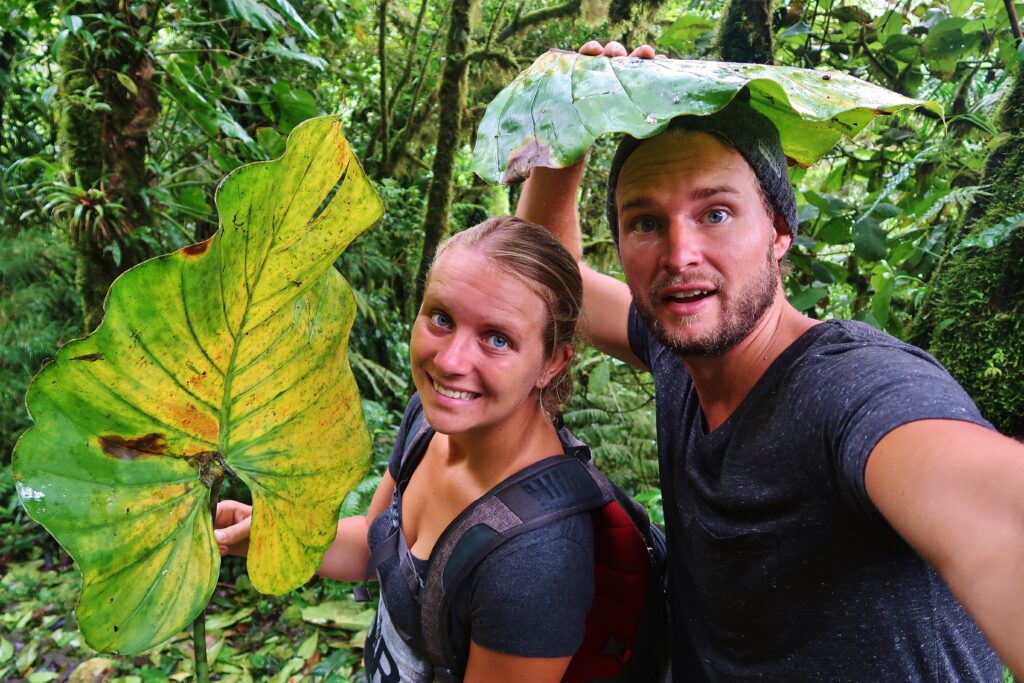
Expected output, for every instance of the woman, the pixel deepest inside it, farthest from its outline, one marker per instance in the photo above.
(490, 353)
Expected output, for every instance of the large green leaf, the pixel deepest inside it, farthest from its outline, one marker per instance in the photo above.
(552, 112)
(228, 355)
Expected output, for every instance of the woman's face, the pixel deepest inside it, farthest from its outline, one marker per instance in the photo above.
(477, 347)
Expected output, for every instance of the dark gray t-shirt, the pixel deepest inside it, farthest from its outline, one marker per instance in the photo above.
(529, 597)
(780, 567)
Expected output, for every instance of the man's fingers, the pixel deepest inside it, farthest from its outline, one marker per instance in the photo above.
(614, 49)
(643, 52)
(617, 49)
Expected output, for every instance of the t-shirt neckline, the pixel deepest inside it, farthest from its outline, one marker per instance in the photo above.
(781, 363)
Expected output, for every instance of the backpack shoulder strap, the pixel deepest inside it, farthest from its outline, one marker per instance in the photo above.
(653, 538)
(415, 442)
(416, 432)
(551, 489)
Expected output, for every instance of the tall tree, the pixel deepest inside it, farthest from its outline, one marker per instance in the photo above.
(452, 97)
(109, 103)
(973, 321)
(745, 33)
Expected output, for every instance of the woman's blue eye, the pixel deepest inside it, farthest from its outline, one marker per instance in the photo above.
(440, 319)
(498, 341)
(645, 225)
(717, 215)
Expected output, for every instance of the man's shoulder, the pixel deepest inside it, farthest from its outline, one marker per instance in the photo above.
(839, 342)
(849, 364)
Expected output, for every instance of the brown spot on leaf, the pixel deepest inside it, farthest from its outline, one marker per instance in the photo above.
(197, 248)
(525, 157)
(91, 357)
(132, 449)
(826, 77)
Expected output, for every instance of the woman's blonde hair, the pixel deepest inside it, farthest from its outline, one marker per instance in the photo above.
(531, 253)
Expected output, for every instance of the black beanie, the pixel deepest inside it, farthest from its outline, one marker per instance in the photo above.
(751, 133)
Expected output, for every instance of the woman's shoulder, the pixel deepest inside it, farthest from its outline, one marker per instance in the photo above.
(561, 545)
(531, 595)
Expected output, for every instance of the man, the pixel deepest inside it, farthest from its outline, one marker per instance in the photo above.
(828, 490)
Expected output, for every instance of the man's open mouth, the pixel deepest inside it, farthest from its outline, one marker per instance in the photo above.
(690, 296)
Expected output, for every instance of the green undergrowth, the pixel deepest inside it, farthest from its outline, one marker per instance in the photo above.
(313, 634)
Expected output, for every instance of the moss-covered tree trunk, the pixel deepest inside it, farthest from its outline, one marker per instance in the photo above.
(452, 98)
(973, 319)
(109, 104)
(745, 32)
(8, 42)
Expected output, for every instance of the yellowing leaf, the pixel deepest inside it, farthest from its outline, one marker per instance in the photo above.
(6, 650)
(226, 356)
(346, 615)
(90, 670)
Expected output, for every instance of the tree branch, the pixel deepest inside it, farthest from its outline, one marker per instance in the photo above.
(385, 116)
(520, 22)
(402, 137)
(494, 24)
(410, 58)
(1011, 12)
(500, 56)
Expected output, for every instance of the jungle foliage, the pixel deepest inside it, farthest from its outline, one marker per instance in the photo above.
(117, 119)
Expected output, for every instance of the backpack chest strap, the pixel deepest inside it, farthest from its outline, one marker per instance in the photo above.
(548, 490)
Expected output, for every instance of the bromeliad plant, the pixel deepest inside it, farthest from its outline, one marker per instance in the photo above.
(551, 113)
(226, 357)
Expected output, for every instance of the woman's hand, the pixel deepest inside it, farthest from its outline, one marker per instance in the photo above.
(232, 523)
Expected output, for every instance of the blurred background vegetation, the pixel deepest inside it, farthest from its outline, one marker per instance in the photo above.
(118, 118)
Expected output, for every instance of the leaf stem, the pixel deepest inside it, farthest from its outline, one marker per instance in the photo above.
(199, 625)
(199, 648)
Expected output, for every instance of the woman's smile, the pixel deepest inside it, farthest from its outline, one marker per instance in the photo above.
(454, 393)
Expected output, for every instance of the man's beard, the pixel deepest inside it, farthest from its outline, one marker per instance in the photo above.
(740, 314)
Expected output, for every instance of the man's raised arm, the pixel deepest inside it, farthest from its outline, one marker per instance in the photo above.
(549, 199)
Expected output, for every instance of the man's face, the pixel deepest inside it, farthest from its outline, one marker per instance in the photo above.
(699, 250)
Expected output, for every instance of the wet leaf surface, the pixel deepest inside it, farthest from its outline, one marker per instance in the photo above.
(554, 110)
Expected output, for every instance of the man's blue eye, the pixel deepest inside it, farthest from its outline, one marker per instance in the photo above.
(440, 319)
(645, 225)
(717, 216)
(498, 341)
